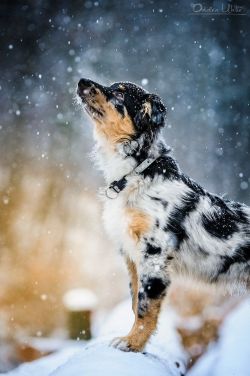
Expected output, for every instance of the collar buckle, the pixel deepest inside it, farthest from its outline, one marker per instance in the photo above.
(112, 191)
(116, 187)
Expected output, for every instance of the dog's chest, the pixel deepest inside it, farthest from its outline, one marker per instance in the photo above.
(126, 222)
(114, 218)
(116, 223)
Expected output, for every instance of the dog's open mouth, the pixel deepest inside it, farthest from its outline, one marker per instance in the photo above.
(92, 111)
(87, 96)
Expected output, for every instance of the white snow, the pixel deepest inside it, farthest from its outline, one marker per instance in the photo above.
(45, 366)
(163, 356)
(80, 299)
(99, 359)
(144, 81)
(231, 355)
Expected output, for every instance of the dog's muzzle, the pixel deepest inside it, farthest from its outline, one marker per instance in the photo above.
(85, 87)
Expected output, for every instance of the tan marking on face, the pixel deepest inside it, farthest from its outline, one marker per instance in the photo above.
(121, 87)
(138, 223)
(112, 125)
(147, 108)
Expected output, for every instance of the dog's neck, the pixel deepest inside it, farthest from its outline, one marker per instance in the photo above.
(125, 156)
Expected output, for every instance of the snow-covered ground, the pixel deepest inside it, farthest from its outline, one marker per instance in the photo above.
(163, 356)
(230, 356)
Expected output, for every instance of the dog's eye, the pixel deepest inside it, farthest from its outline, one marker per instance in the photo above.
(118, 95)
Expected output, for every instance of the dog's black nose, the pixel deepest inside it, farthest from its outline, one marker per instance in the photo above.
(84, 83)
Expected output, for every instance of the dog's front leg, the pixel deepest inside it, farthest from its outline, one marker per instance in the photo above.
(133, 282)
(152, 289)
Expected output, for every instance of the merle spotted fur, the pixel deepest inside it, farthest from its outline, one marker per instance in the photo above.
(192, 231)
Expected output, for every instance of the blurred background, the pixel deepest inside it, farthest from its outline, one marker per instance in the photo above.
(51, 235)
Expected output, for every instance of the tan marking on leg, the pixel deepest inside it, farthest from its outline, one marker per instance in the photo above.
(139, 223)
(134, 282)
(143, 327)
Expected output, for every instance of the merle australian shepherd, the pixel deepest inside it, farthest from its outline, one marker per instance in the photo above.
(162, 221)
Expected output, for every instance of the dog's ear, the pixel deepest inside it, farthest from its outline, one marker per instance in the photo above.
(152, 113)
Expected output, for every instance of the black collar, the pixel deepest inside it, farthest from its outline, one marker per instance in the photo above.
(117, 186)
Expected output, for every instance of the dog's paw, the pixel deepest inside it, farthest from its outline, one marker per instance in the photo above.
(124, 344)
(120, 343)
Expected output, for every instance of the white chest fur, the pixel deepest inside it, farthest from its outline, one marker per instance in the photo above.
(116, 222)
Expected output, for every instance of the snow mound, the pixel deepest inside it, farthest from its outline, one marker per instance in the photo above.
(45, 366)
(231, 355)
(103, 360)
(163, 356)
(100, 359)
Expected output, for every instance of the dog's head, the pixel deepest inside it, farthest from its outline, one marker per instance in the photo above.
(122, 111)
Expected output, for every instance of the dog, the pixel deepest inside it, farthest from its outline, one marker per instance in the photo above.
(164, 223)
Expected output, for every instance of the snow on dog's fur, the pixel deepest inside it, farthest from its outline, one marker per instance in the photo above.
(163, 222)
